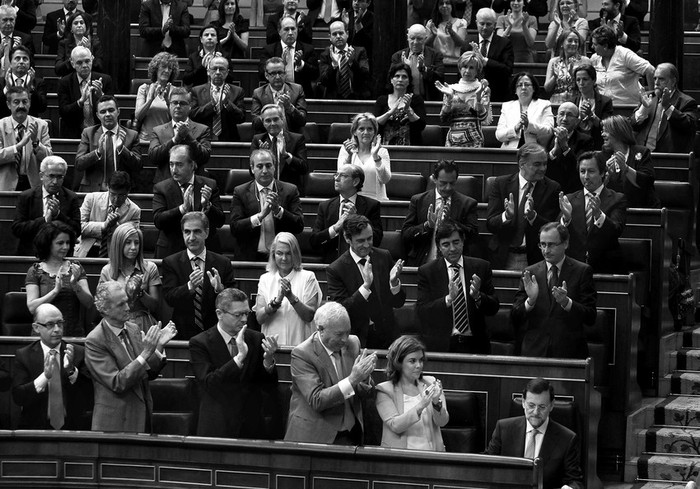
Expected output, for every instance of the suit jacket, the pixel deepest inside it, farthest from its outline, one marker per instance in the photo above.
(317, 405)
(599, 247)
(26, 15)
(390, 405)
(344, 281)
(359, 74)
(231, 398)
(28, 365)
(363, 37)
(499, 67)
(93, 213)
(195, 73)
(296, 118)
(167, 198)
(199, 141)
(304, 27)
(37, 96)
(122, 395)
(630, 25)
(25, 39)
(675, 134)
(539, 129)
(93, 166)
(546, 198)
(418, 239)
(176, 272)
(150, 28)
(232, 111)
(293, 171)
(30, 216)
(50, 36)
(643, 194)
(328, 214)
(548, 330)
(563, 169)
(31, 158)
(68, 95)
(316, 5)
(434, 70)
(305, 76)
(436, 317)
(560, 450)
(63, 65)
(246, 203)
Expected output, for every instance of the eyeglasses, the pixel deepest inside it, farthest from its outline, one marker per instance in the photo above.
(52, 324)
(341, 175)
(276, 73)
(53, 176)
(545, 246)
(531, 406)
(237, 315)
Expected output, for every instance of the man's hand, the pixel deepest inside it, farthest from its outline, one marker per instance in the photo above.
(269, 346)
(241, 344)
(509, 206)
(50, 365)
(298, 58)
(166, 334)
(532, 289)
(454, 291)
(363, 367)
(285, 101)
(182, 131)
(206, 196)
(395, 273)
(215, 280)
(70, 357)
(187, 198)
(150, 341)
(665, 98)
(111, 218)
(96, 87)
(561, 139)
(559, 294)
(367, 275)
(475, 287)
(565, 207)
(594, 203)
(647, 99)
(529, 211)
(432, 216)
(273, 200)
(53, 207)
(196, 278)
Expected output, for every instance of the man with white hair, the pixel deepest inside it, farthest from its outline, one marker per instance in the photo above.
(11, 36)
(425, 63)
(79, 92)
(568, 143)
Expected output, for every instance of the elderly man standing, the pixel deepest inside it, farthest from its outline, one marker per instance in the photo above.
(665, 120)
(122, 359)
(10, 37)
(164, 25)
(234, 366)
(329, 373)
(217, 104)
(49, 376)
(425, 63)
(48, 202)
(568, 143)
(19, 160)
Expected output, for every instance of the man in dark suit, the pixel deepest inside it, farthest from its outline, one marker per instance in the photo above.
(365, 282)
(79, 92)
(299, 59)
(48, 202)
(289, 9)
(192, 278)
(287, 148)
(627, 27)
(329, 374)
(49, 377)
(568, 143)
(289, 96)
(19, 74)
(181, 130)
(234, 366)
(106, 148)
(455, 293)
(182, 193)
(595, 217)
(219, 105)
(344, 69)
(122, 359)
(361, 27)
(164, 24)
(55, 26)
(25, 10)
(559, 446)
(323, 12)
(665, 120)
(555, 300)
(12, 36)
(498, 60)
(262, 208)
(425, 63)
(327, 233)
(427, 210)
(519, 205)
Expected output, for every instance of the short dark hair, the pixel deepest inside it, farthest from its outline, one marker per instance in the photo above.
(593, 155)
(448, 166)
(229, 295)
(107, 98)
(535, 84)
(48, 232)
(605, 36)
(587, 67)
(538, 386)
(16, 90)
(561, 229)
(446, 228)
(402, 346)
(195, 216)
(120, 180)
(620, 128)
(354, 225)
(356, 171)
(397, 67)
(25, 49)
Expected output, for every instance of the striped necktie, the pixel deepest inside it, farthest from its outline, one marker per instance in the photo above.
(198, 321)
(459, 304)
(589, 211)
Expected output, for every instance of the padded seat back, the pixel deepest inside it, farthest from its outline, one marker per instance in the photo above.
(403, 186)
(433, 135)
(490, 140)
(150, 238)
(490, 181)
(339, 132)
(501, 333)
(599, 337)
(175, 405)
(246, 131)
(16, 318)
(464, 431)
(320, 185)
(393, 243)
(136, 83)
(236, 177)
(406, 320)
(678, 199)
(309, 254)
(311, 133)
(466, 184)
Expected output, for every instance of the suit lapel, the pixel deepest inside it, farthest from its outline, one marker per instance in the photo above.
(325, 360)
(541, 275)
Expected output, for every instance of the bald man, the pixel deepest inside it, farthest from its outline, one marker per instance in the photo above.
(425, 63)
(568, 143)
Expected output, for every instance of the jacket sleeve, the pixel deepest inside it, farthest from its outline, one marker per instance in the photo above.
(307, 379)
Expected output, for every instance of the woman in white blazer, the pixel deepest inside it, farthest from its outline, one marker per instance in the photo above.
(527, 119)
(412, 406)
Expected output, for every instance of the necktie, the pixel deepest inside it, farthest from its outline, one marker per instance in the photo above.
(274, 148)
(589, 211)
(198, 321)
(343, 76)
(20, 151)
(20, 82)
(521, 221)
(328, 14)
(553, 277)
(444, 210)
(288, 57)
(484, 48)
(460, 317)
(232, 348)
(56, 409)
(107, 235)
(358, 24)
(216, 126)
(167, 40)
(268, 225)
(127, 344)
(521, 140)
(109, 159)
(88, 116)
(416, 74)
(190, 198)
(348, 416)
(654, 126)
(531, 443)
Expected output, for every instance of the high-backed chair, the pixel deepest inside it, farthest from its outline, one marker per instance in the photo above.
(16, 318)
(403, 186)
(464, 432)
(236, 177)
(175, 406)
(320, 185)
(339, 132)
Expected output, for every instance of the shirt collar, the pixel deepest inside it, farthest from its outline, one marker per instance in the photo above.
(202, 256)
(542, 429)
(115, 329)
(438, 196)
(260, 187)
(486, 38)
(80, 79)
(114, 130)
(352, 198)
(596, 191)
(227, 337)
(338, 51)
(618, 19)
(558, 264)
(460, 262)
(292, 46)
(356, 257)
(45, 193)
(523, 182)
(330, 352)
(46, 349)
(16, 123)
